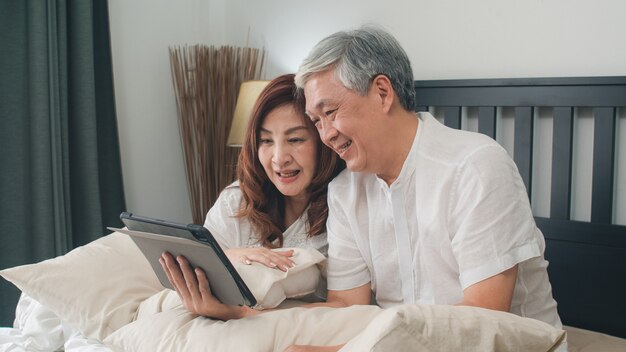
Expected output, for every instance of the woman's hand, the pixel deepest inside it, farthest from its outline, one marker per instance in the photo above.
(272, 259)
(193, 288)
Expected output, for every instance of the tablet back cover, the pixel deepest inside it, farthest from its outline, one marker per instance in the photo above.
(199, 254)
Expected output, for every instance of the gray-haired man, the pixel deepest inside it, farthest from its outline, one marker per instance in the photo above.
(424, 213)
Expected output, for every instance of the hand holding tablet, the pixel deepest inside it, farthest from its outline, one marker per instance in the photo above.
(155, 237)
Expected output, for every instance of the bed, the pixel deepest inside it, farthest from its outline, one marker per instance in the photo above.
(89, 300)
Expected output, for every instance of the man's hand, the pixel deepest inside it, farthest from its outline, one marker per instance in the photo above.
(193, 288)
(300, 348)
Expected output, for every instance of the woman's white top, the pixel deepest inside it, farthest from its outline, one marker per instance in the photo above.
(234, 232)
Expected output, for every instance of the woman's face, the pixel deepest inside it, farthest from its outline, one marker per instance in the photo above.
(288, 151)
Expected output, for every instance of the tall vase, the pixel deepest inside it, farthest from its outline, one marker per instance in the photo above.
(206, 83)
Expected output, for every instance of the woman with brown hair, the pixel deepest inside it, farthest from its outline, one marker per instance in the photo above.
(278, 201)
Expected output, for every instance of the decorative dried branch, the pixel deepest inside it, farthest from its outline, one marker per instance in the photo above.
(206, 84)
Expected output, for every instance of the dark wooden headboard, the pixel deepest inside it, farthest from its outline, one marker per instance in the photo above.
(587, 258)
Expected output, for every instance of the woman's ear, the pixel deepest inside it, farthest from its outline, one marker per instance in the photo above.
(384, 90)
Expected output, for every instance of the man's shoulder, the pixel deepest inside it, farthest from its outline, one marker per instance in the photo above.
(453, 145)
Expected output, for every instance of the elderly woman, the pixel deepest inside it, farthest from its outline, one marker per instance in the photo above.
(278, 201)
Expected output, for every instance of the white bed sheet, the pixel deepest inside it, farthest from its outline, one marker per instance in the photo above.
(36, 328)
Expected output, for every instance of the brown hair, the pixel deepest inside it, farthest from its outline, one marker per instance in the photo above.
(263, 204)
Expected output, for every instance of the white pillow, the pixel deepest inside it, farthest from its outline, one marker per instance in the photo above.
(98, 287)
(178, 330)
(271, 286)
(582, 340)
(453, 328)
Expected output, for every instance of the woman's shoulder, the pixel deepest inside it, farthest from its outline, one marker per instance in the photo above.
(229, 199)
(231, 192)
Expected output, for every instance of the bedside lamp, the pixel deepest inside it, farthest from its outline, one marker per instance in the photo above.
(248, 94)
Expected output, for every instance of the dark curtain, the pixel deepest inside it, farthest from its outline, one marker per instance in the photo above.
(60, 172)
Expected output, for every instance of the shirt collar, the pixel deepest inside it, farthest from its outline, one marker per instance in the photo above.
(408, 168)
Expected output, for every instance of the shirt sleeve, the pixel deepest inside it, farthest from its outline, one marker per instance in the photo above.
(346, 268)
(491, 222)
(221, 221)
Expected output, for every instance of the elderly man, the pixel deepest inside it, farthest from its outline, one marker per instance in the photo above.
(424, 213)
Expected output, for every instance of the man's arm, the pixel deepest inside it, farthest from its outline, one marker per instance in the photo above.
(345, 298)
(494, 293)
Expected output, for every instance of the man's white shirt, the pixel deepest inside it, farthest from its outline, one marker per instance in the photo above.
(457, 214)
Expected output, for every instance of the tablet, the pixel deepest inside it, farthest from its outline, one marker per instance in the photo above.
(155, 236)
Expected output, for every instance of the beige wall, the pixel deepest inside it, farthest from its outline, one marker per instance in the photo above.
(444, 39)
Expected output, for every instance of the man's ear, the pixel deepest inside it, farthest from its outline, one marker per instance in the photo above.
(384, 89)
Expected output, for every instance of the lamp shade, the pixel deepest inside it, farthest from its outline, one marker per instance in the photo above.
(248, 94)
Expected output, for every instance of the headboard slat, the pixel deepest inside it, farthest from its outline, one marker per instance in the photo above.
(561, 189)
(523, 144)
(452, 117)
(487, 120)
(603, 165)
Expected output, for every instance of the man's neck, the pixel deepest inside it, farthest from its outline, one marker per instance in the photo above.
(404, 131)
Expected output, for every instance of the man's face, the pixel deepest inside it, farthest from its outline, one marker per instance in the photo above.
(346, 122)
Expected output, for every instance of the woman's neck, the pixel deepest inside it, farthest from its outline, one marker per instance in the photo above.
(294, 207)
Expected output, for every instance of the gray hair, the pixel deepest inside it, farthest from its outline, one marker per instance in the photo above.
(357, 57)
